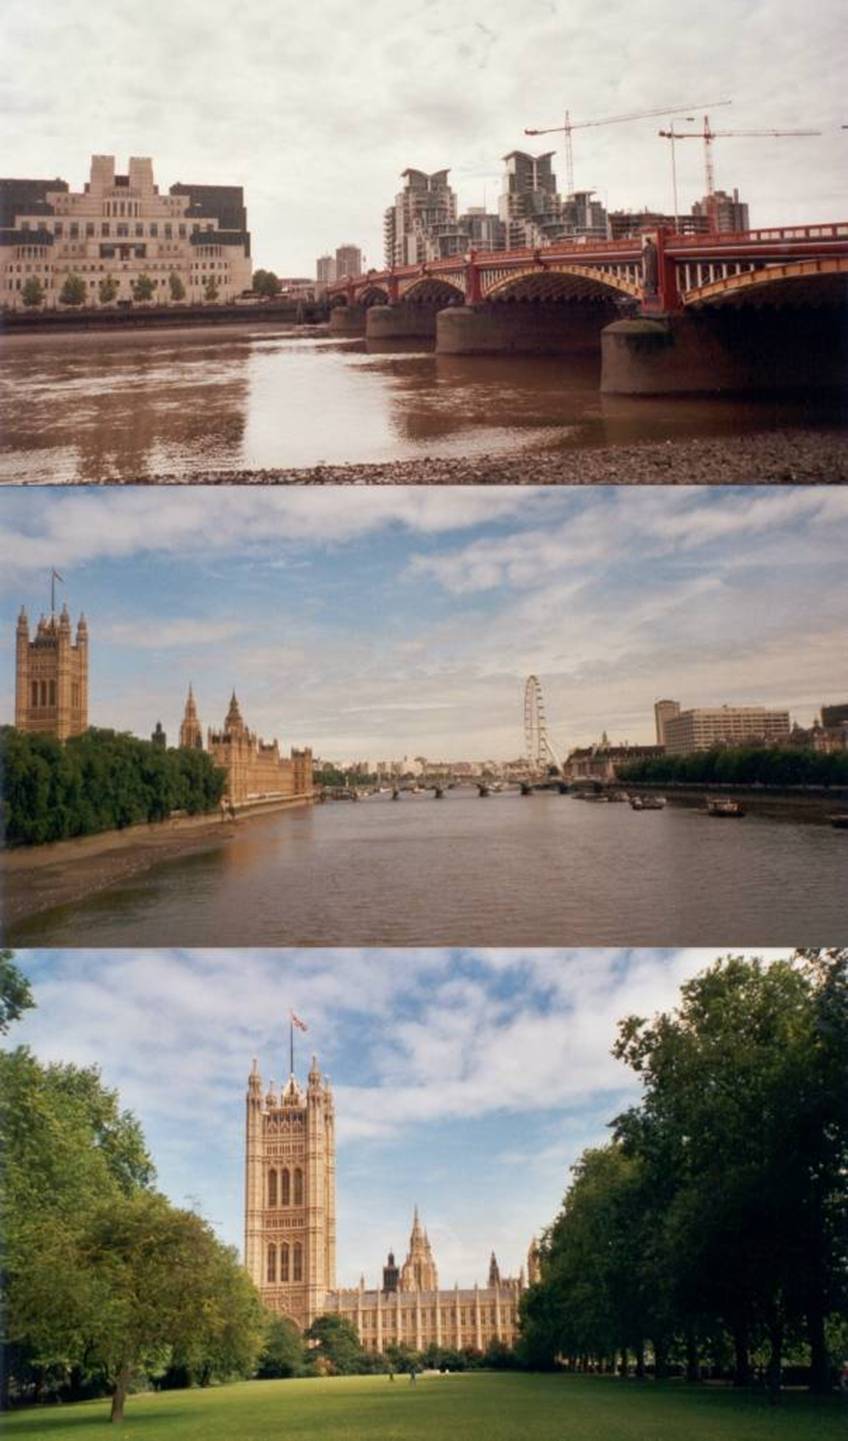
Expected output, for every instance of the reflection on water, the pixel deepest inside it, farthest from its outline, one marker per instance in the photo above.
(95, 406)
(542, 870)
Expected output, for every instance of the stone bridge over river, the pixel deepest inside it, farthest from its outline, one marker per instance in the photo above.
(758, 310)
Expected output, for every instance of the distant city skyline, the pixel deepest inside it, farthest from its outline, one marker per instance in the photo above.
(378, 623)
(317, 112)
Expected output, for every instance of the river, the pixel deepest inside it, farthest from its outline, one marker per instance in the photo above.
(93, 406)
(506, 870)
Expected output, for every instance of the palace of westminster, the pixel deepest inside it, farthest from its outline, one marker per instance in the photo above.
(51, 698)
(290, 1238)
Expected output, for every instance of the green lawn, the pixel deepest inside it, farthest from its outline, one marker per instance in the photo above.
(475, 1407)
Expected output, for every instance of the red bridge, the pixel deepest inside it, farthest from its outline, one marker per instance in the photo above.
(650, 302)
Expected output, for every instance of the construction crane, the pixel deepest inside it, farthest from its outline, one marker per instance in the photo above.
(708, 135)
(571, 125)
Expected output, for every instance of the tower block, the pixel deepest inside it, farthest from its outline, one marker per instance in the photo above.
(290, 1195)
(51, 676)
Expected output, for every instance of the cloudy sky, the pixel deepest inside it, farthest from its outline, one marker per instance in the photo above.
(316, 109)
(381, 622)
(467, 1082)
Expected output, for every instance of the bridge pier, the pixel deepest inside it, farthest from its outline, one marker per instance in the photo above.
(400, 322)
(726, 350)
(348, 320)
(522, 327)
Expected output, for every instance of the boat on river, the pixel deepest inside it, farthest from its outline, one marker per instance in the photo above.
(723, 806)
(648, 803)
(839, 821)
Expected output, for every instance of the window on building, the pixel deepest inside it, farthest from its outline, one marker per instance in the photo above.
(154, 228)
(35, 694)
(271, 1268)
(123, 229)
(284, 1262)
(182, 231)
(285, 1187)
(74, 230)
(297, 1262)
(139, 229)
(52, 692)
(44, 692)
(58, 227)
(168, 230)
(89, 227)
(272, 1188)
(298, 1187)
(104, 229)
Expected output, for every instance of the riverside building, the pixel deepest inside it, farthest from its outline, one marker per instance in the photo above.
(290, 1238)
(701, 729)
(255, 769)
(119, 228)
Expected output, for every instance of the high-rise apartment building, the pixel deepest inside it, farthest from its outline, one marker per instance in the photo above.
(723, 212)
(51, 676)
(325, 270)
(530, 207)
(117, 229)
(663, 712)
(701, 729)
(423, 211)
(348, 262)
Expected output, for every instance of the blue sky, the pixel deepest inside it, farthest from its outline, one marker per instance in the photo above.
(317, 109)
(466, 1081)
(374, 622)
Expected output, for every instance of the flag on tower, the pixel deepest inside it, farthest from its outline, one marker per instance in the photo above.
(296, 1021)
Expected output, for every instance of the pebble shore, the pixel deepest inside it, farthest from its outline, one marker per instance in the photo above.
(763, 458)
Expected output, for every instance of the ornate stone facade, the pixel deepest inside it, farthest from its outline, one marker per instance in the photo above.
(255, 768)
(121, 227)
(290, 1239)
(51, 676)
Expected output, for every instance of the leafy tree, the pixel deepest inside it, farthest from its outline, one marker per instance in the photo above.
(33, 292)
(15, 994)
(211, 291)
(98, 781)
(265, 282)
(743, 765)
(176, 287)
(744, 1107)
(107, 290)
(338, 1346)
(73, 291)
(143, 288)
(282, 1353)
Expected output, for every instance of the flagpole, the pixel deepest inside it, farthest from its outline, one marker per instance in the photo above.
(291, 1044)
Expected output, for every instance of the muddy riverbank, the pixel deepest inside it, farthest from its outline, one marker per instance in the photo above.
(764, 458)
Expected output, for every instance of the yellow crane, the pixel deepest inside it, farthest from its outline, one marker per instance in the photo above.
(708, 135)
(571, 125)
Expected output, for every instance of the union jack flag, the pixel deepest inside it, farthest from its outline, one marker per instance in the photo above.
(296, 1021)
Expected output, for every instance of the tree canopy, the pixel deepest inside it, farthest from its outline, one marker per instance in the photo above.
(718, 1213)
(98, 781)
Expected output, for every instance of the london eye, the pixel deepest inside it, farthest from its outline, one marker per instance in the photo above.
(540, 753)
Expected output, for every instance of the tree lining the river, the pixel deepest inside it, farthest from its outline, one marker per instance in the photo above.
(743, 766)
(102, 780)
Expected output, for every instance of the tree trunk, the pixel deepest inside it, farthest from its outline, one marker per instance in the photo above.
(660, 1360)
(119, 1395)
(819, 1360)
(742, 1367)
(775, 1360)
(640, 1360)
(624, 1362)
(693, 1369)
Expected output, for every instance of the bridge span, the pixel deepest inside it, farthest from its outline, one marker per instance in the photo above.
(760, 309)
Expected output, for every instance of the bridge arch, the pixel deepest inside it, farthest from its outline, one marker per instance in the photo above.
(563, 282)
(372, 295)
(794, 283)
(432, 290)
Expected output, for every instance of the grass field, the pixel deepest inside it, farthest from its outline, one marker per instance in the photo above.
(476, 1407)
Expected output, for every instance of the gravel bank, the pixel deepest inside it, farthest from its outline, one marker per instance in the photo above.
(765, 458)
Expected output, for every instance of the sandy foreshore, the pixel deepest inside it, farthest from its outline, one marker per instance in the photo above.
(772, 457)
(35, 880)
